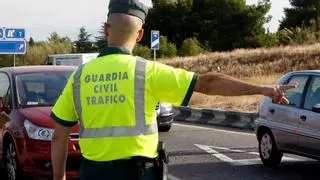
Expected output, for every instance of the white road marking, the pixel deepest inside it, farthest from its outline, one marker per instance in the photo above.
(243, 162)
(240, 162)
(217, 130)
(254, 153)
(246, 162)
(236, 150)
(171, 177)
(214, 153)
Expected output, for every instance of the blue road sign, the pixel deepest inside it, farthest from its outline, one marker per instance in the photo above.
(155, 40)
(15, 33)
(13, 47)
(12, 41)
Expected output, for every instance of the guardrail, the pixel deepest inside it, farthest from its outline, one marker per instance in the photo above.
(218, 117)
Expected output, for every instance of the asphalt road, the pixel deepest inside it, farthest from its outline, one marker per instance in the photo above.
(207, 153)
(210, 153)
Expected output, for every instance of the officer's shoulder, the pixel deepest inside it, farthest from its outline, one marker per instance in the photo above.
(139, 58)
(149, 61)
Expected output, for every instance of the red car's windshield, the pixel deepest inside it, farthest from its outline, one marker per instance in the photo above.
(41, 88)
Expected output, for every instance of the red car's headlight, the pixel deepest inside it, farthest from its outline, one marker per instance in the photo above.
(38, 133)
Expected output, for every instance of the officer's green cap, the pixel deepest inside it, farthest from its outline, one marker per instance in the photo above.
(131, 7)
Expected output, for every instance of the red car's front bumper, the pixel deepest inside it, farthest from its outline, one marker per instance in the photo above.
(35, 160)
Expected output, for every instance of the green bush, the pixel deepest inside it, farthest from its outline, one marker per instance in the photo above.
(267, 40)
(171, 50)
(143, 51)
(6, 60)
(191, 47)
(166, 49)
(298, 35)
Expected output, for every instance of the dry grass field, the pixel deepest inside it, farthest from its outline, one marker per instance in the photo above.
(261, 66)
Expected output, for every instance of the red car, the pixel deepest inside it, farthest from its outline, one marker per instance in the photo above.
(26, 98)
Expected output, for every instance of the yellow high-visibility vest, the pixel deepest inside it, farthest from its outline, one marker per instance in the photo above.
(114, 97)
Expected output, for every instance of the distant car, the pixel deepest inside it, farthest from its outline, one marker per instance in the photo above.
(26, 98)
(164, 116)
(293, 128)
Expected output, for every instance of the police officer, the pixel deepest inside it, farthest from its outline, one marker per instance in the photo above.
(113, 98)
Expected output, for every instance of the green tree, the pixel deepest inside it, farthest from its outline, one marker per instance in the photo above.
(228, 24)
(218, 24)
(55, 38)
(101, 40)
(171, 18)
(31, 42)
(302, 13)
(83, 44)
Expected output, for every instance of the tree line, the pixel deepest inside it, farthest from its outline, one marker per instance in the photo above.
(191, 27)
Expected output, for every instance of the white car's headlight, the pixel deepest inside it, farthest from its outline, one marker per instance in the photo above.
(38, 133)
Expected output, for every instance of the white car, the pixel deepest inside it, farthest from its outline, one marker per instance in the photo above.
(293, 128)
(164, 116)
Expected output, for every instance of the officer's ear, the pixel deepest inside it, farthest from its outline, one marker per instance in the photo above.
(106, 29)
(140, 35)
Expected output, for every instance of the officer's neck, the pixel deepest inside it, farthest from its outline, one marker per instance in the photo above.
(129, 46)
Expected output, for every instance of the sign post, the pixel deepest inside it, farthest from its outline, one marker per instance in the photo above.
(13, 41)
(155, 42)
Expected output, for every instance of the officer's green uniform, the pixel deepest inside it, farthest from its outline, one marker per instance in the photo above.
(113, 98)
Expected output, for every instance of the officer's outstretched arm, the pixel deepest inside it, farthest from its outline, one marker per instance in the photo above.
(224, 85)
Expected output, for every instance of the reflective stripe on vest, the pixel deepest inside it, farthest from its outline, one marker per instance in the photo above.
(141, 127)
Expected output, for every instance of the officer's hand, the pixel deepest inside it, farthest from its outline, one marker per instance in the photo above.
(276, 92)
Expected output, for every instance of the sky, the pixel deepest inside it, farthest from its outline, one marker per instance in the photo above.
(276, 12)
(42, 17)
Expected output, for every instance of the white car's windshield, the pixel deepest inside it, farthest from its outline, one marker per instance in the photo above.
(41, 88)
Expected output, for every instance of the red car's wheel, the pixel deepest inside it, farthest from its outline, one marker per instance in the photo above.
(11, 161)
